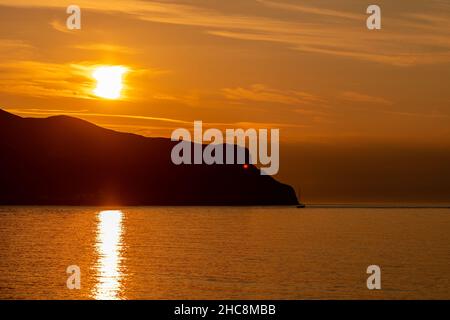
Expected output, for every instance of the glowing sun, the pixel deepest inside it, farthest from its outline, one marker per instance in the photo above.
(109, 81)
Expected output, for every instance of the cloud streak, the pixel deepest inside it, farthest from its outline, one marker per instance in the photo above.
(263, 93)
(45, 79)
(408, 39)
(160, 122)
(312, 10)
(40, 79)
(363, 98)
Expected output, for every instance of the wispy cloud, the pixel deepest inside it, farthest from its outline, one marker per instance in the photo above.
(433, 115)
(16, 48)
(105, 47)
(353, 96)
(50, 112)
(263, 93)
(157, 122)
(42, 79)
(312, 10)
(407, 39)
(61, 27)
(6, 44)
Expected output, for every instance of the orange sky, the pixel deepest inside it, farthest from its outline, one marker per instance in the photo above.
(310, 68)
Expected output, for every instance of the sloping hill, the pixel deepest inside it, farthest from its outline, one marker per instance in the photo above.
(67, 161)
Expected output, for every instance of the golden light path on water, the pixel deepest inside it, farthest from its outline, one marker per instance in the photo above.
(109, 251)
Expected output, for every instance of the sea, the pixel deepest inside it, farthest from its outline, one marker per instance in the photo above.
(283, 253)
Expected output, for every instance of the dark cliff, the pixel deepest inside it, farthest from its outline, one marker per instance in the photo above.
(67, 161)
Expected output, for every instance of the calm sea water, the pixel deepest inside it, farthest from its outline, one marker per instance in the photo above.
(224, 253)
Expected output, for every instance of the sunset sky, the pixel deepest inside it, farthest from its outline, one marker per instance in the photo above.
(310, 68)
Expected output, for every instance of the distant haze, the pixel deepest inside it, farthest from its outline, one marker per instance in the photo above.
(370, 173)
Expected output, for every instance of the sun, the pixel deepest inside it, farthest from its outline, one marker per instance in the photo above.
(109, 81)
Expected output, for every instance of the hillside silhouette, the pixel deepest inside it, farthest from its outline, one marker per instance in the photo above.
(62, 160)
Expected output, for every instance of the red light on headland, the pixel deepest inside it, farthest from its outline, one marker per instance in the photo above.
(245, 166)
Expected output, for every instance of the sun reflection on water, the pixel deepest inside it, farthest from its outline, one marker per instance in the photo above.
(109, 250)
